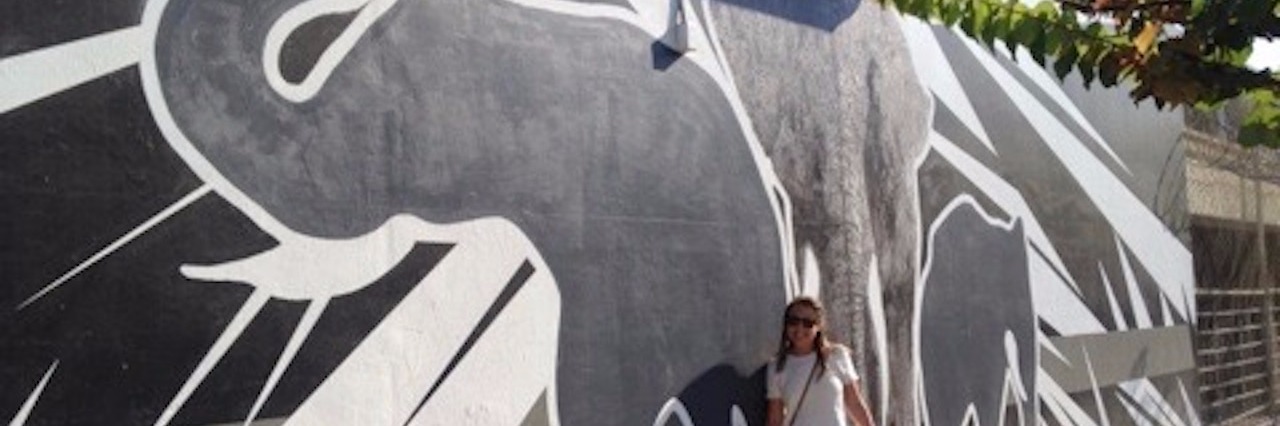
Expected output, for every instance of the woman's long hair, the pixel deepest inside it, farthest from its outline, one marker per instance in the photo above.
(821, 346)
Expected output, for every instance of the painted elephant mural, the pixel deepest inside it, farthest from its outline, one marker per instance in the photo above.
(558, 212)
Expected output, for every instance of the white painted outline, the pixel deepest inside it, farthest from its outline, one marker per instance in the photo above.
(1006, 196)
(922, 284)
(698, 39)
(154, 94)
(369, 12)
(292, 242)
(673, 407)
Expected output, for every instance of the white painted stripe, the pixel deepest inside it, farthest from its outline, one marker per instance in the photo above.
(1057, 304)
(1164, 312)
(38, 74)
(300, 334)
(935, 72)
(220, 347)
(1051, 87)
(1135, 413)
(875, 310)
(120, 242)
(1060, 403)
(1157, 248)
(1097, 393)
(1152, 403)
(811, 278)
(1141, 315)
(1047, 344)
(1116, 314)
(1192, 416)
(25, 412)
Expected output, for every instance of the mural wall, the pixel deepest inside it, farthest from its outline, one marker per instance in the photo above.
(543, 212)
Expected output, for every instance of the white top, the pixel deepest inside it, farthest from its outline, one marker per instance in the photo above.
(824, 404)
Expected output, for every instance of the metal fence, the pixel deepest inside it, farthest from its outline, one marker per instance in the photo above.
(1236, 332)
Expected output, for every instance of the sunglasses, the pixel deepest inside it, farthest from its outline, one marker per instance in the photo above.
(806, 322)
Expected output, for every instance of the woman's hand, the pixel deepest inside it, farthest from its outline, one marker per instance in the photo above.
(773, 415)
(855, 407)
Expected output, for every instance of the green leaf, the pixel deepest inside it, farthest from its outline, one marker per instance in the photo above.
(1197, 7)
(1109, 69)
(1094, 30)
(1026, 32)
(1253, 12)
(1001, 26)
(1088, 63)
(1257, 135)
(1063, 64)
(982, 17)
(917, 8)
(1054, 41)
(1038, 49)
(954, 13)
(1045, 9)
(1238, 57)
(967, 24)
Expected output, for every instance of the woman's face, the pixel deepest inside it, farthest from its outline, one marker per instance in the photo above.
(802, 327)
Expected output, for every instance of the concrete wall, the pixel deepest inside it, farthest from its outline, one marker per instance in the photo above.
(563, 212)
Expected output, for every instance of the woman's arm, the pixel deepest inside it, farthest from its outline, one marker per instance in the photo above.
(855, 406)
(774, 414)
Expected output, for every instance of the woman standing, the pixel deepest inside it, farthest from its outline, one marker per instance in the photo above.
(811, 382)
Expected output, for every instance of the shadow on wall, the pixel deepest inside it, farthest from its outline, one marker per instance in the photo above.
(663, 56)
(711, 396)
(822, 14)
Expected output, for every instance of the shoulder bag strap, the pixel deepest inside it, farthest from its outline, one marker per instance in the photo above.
(804, 393)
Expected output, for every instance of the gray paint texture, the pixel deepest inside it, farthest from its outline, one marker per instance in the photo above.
(843, 119)
(622, 162)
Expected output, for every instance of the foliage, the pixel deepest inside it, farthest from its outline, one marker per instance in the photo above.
(1175, 52)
